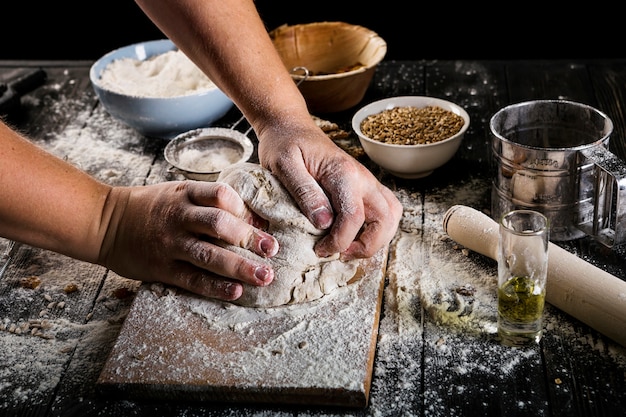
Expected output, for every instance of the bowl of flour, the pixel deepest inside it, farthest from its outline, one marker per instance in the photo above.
(155, 89)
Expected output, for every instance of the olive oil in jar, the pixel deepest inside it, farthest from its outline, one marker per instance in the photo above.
(520, 300)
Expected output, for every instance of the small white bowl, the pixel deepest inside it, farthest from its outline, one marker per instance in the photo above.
(202, 154)
(409, 161)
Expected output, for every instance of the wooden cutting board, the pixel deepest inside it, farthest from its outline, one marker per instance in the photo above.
(174, 345)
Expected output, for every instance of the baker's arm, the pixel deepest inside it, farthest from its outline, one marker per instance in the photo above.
(152, 233)
(46, 202)
(228, 41)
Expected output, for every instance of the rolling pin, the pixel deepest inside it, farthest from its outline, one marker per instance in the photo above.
(575, 286)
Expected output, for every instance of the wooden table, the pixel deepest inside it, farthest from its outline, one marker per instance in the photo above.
(436, 354)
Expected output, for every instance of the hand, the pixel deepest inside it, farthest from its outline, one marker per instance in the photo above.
(163, 233)
(362, 213)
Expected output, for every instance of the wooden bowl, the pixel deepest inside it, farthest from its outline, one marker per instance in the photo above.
(341, 59)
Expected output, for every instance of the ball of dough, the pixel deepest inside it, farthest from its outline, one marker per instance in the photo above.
(299, 274)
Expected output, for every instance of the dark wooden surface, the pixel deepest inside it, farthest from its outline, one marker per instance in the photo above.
(423, 366)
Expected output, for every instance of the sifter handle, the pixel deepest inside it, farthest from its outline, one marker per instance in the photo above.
(609, 216)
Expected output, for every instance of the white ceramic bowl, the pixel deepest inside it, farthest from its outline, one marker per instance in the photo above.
(160, 117)
(409, 161)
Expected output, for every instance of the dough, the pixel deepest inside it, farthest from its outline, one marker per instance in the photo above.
(299, 274)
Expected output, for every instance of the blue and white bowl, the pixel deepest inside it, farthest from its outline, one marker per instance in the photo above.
(159, 117)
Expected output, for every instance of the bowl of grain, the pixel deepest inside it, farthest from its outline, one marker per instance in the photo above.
(332, 62)
(201, 154)
(410, 136)
(155, 89)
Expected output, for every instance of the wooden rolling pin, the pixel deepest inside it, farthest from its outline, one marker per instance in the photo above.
(575, 286)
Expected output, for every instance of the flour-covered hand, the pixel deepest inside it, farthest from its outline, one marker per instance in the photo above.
(164, 232)
(332, 188)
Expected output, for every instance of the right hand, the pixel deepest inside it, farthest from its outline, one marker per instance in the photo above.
(333, 189)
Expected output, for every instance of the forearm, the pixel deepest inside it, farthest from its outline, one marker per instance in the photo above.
(48, 203)
(228, 41)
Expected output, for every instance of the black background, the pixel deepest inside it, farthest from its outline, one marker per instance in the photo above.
(36, 29)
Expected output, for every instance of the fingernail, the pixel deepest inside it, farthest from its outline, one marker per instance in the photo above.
(263, 273)
(322, 217)
(232, 291)
(322, 253)
(347, 256)
(268, 246)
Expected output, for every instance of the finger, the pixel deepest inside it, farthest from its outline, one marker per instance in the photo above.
(380, 227)
(346, 198)
(345, 228)
(221, 213)
(361, 230)
(202, 282)
(225, 227)
(223, 196)
(225, 263)
(308, 194)
(371, 238)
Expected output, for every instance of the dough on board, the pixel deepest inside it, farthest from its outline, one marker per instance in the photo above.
(300, 275)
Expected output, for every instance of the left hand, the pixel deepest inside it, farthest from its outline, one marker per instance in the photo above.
(169, 232)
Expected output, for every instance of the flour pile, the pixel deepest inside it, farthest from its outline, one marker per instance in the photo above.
(170, 74)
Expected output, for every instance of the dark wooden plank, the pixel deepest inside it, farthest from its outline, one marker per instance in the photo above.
(609, 82)
(479, 87)
(584, 374)
(562, 80)
(466, 370)
(62, 117)
(565, 80)
(45, 310)
(76, 394)
(47, 110)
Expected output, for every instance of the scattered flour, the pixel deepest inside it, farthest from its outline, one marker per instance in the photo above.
(267, 350)
(425, 364)
(170, 74)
